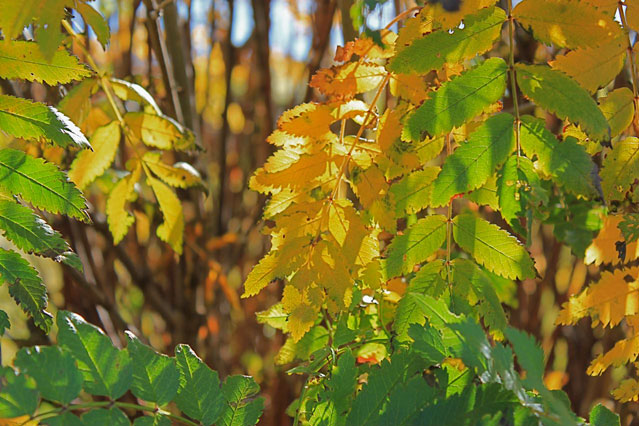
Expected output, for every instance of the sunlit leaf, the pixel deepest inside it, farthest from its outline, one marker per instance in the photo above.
(89, 165)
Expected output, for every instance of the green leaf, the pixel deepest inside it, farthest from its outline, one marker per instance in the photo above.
(199, 395)
(530, 356)
(159, 131)
(518, 187)
(412, 193)
(561, 95)
(33, 235)
(106, 369)
(240, 409)
(275, 316)
(469, 406)
(18, 396)
(410, 307)
(492, 247)
(620, 169)
(97, 22)
(24, 119)
(23, 60)
(470, 166)
(5, 324)
(54, 370)
(602, 416)
(417, 243)
(40, 183)
(406, 401)
(490, 307)
(459, 100)
(315, 339)
(335, 400)
(64, 419)
(102, 416)
(157, 420)
(428, 343)
(381, 382)
(567, 163)
(155, 376)
(441, 47)
(26, 287)
(89, 165)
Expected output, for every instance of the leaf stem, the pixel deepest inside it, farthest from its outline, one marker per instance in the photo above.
(449, 230)
(106, 404)
(631, 59)
(513, 76)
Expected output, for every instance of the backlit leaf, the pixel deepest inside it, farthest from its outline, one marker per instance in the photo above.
(89, 165)
(24, 60)
(561, 95)
(459, 100)
(118, 218)
(97, 22)
(413, 192)
(620, 169)
(26, 287)
(159, 131)
(604, 247)
(440, 47)
(593, 67)
(180, 175)
(566, 23)
(619, 109)
(106, 369)
(22, 118)
(417, 243)
(240, 410)
(155, 376)
(33, 235)
(472, 163)
(492, 247)
(172, 229)
(347, 80)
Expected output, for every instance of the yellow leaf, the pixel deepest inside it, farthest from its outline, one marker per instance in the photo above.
(299, 174)
(607, 6)
(310, 119)
(411, 87)
(603, 248)
(618, 108)
(632, 14)
(368, 184)
(567, 23)
(89, 165)
(448, 20)
(124, 191)
(302, 315)
(172, 229)
(345, 81)
(624, 352)
(627, 391)
(276, 264)
(608, 301)
(389, 130)
(159, 131)
(593, 67)
(367, 47)
(181, 175)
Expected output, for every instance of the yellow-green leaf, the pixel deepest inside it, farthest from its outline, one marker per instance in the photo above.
(24, 60)
(180, 175)
(492, 247)
(159, 131)
(620, 169)
(171, 230)
(593, 67)
(566, 23)
(619, 109)
(89, 165)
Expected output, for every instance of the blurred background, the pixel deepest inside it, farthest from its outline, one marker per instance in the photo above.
(227, 70)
